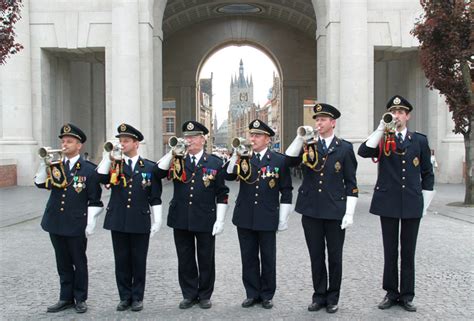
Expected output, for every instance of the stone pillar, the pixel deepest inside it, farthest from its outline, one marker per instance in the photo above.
(158, 92)
(16, 133)
(354, 73)
(125, 73)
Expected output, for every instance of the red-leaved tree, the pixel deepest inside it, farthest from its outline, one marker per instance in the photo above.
(446, 55)
(9, 15)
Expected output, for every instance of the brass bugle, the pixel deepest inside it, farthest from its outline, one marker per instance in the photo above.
(306, 131)
(43, 152)
(242, 146)
(178, 145)
(389, 121)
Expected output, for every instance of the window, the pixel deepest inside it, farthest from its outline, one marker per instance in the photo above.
(169, 123)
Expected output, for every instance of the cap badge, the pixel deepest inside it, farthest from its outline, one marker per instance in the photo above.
(397, 101)
(190, 126)
(123, 127)
(67, 128)
(319, 107)
(256, 124)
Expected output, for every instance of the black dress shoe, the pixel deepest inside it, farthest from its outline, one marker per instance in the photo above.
(408, 305)
(186, 303)
(247, 303)
(61, 305)
(332, 308)
(137, 306)
(205, 304)
(315, 306)
(81, 307)
(267, 304)
(386, 303)
(123, 305)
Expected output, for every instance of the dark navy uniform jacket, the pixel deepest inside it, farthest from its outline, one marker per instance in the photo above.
(128, 210)
(66, 210)
(193, 206)
(401, 178)
(258, 203)
(325, 188)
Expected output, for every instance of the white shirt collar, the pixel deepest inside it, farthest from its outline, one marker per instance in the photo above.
(134, 160)
(262, 152)
(404, 133)
(328, 140)
(72, 161)
(198, 156)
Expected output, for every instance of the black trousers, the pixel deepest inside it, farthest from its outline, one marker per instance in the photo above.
(196, 279)
(408, 235)
(320, 233)
(130, 251)
(259, 281)
(71, 262)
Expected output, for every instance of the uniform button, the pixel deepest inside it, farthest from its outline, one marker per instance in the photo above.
(129, 199)
(192, 181)
(131, 180)
(377, 187)
(320, 190)
(191, 195)
(62, 202)
(64, 195)
(130, 193)
(403, 177)
(322, 166)
(256, 194)
(322, 174)
(62, 209)
(324, 158)
(403, 169)
(403, 162)
(256, 202)
(129, 186)
(258, 179)
(65, 189)
(256, 187)
(128, 206)
(320, 182)
(342, 197)
(192, 188)
(190, 203)
(403, 186)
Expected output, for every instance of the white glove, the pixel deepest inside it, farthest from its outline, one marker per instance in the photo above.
(348, 218)
(232, 162)
(220, 217)
(285, 210)
(41, 174)
(374, 138)
(295, 147)
(105, 163)
(157, 211)
(165, 162)
(427, 198)
(93, 213)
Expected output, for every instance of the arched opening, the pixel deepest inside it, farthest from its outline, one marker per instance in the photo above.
(236, 84)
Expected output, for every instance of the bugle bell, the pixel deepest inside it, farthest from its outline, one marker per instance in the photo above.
(389, 121)
(51, 156)
(242, 146)
(178, 145)
(307, 132)
(115, 150)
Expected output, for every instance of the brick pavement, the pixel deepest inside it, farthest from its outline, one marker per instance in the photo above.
(444, 288)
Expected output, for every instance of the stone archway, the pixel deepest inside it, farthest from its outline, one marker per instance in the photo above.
(293, 52)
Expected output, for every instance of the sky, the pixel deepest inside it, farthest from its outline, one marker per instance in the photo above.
(225, 63)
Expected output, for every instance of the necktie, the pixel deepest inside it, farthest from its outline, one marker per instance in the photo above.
(193, 162)
(130, 164)
(400, 138)
(323, 144)
(258, 156)
(66, 167)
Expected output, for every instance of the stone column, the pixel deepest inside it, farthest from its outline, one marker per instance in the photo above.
(17, 145)
(354, 73)
(125, 73)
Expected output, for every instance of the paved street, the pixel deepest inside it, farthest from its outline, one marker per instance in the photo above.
(444, 282)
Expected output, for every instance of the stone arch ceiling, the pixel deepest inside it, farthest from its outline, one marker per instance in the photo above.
(180, 14)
